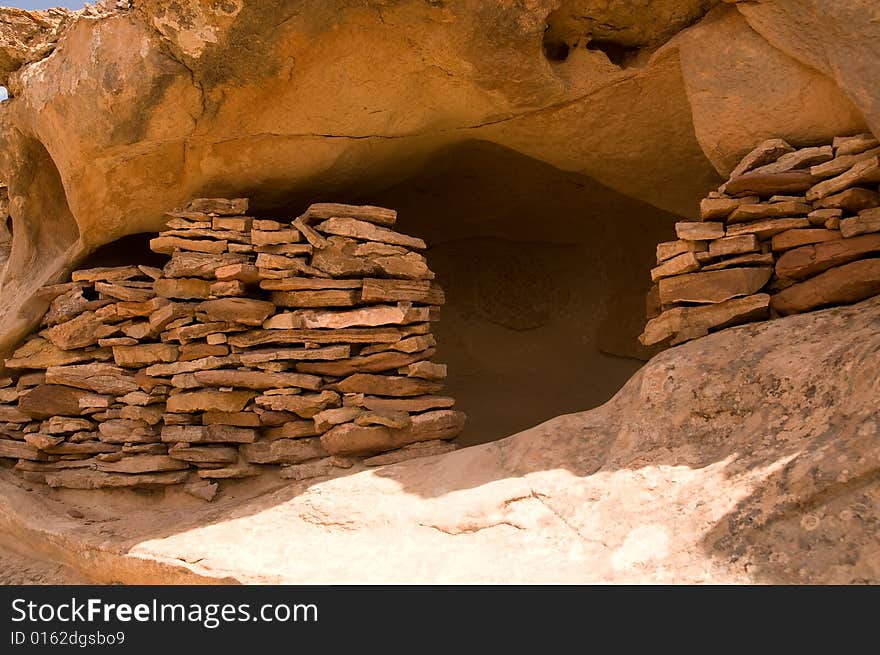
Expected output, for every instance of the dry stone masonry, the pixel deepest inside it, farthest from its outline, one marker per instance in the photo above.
(304, 345)
(792, 230)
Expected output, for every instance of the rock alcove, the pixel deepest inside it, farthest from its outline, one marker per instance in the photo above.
(544, 282)
(745, 455)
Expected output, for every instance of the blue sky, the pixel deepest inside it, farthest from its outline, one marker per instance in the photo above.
(41, 4)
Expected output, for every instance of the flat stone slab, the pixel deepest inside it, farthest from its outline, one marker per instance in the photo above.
(810, 260)
(840, 285)
(681, 324)
(714, 286)
(770, 184)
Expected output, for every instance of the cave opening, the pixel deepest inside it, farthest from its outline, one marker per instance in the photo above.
(556, 51)
(130, 249)
(618, 54)
(545, 273)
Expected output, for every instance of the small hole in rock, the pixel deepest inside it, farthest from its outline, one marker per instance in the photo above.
(134, 248)
(556, 50)
(617, 53)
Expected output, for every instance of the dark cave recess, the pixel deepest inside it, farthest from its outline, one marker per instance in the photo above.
(545, 274)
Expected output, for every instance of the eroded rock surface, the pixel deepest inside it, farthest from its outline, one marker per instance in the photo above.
(28, 36)
(741, 457)
(122, 112)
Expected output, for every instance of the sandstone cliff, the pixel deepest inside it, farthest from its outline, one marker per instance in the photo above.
(548, 146)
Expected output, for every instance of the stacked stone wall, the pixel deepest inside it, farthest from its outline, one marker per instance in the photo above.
(302, 344)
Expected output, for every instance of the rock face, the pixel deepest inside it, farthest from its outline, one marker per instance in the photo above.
(140, 108)
(28, 36)
(614, 115)
(662, 484)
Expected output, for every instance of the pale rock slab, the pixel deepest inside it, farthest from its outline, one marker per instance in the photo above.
(866, 222)
(284, 451)
(768, 228)
(350, 439)
(697, 231)
(796, 238)
(205, 401)
(412, 451)
(809, 260)
(844, 284)
(305, 405)
(734, 245)
(100, 378)
(851, 200)
(246, 311)
(714, 286)
(684, 263)
(369, 213)
(387, 385)
(353, 228)
(682, 324)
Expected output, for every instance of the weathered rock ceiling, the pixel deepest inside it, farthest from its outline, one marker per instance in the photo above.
(120, 114)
